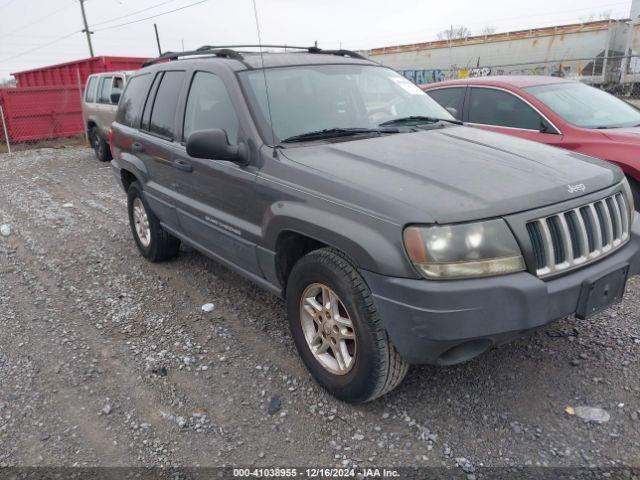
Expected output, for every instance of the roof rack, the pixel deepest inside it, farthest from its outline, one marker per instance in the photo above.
(227, 51)
(222, 52)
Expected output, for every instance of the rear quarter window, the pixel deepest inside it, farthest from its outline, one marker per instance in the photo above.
(133, 99)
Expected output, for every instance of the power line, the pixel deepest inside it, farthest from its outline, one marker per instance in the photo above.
(59, 39)
(9, 2)
(133, 13)
(45, 17)
(152, 16)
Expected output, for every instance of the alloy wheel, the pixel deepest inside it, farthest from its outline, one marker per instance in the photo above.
(328, 329)
(141, 222)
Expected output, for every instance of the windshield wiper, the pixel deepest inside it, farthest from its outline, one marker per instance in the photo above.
(336, 132)
(417, 119)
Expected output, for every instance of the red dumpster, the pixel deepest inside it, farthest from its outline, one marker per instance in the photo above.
(46, 102)
(67, 73)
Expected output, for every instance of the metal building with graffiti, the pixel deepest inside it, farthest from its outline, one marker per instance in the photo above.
(595, 52)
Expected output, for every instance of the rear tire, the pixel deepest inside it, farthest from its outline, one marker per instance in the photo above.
(370, 365)
(100, 146)
(153, 241)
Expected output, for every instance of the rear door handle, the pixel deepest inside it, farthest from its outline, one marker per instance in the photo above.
(183, 165)
(137, 147)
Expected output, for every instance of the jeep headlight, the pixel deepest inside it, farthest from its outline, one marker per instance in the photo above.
(629, 196)
(468, 250)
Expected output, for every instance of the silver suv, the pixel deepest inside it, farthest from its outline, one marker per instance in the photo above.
(100, 102)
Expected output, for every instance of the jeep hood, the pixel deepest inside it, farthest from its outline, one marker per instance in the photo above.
(452, 174)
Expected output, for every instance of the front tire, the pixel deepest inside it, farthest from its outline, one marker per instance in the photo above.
(153, 241)
(100, 146)
(337, 330)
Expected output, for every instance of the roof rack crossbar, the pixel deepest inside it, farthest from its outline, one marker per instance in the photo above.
(293, 47)
(227, 51)
(341, 53)
(222, 52)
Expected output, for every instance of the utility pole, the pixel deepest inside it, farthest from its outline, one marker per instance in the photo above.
(155, 27)
(86, 27)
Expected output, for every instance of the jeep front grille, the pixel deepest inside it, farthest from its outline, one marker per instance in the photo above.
(579, 236)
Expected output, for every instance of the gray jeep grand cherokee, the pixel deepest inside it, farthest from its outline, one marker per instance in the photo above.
(396, 235)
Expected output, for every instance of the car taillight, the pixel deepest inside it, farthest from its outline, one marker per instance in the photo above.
(110, 137)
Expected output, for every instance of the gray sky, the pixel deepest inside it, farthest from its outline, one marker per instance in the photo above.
(31, 30)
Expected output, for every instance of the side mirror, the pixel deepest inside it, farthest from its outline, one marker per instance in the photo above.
(115, 97)
(453, 111)
(213, 145)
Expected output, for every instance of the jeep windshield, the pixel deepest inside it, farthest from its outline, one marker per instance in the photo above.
(316, 102)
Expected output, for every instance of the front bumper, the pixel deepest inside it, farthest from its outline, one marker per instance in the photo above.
(447, 322)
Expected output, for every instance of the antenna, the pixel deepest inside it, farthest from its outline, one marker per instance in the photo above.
(266, 84)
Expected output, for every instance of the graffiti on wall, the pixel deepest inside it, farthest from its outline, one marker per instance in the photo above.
(424, 76)
(474, 72)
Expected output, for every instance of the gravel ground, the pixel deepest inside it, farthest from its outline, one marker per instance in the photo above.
(106, 359)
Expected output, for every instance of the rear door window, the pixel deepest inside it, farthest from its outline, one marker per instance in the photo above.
(163, 114)
(104, 91)
(90, 93)
(488, 106)
(133, 99)
(209, 106)
(450, 98)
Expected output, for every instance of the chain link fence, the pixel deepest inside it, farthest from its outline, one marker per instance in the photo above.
(37, 116)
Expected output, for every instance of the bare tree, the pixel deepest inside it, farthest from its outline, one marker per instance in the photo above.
(7, 82)
(604, 15)
(455, 32)
(488, 30)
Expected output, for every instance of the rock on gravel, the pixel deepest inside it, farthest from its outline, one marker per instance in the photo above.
(208, 307)
(590, 414)
(5, 230)
(465, 465)
(275, 404)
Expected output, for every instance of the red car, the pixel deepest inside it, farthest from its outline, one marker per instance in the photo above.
(563, 113)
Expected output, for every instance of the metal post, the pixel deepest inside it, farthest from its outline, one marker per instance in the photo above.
(155, 27)
(84, 120)
(4, 128)
(86, 27)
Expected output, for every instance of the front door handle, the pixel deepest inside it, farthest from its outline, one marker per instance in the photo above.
(137, 147)
(183, 165)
